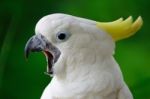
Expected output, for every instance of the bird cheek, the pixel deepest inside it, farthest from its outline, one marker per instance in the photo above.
(59, 67)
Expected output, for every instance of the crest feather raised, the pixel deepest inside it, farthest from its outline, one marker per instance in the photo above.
(120, 28)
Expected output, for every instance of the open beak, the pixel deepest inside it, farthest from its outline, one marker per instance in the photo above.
(38, 43)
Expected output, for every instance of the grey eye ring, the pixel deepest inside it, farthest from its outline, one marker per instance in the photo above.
(62, 36)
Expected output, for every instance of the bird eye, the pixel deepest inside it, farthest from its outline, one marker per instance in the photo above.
(61, 36)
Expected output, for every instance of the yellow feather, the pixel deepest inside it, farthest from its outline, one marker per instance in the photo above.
(120, 28)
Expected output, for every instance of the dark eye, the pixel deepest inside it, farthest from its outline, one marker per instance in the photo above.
(61, 36)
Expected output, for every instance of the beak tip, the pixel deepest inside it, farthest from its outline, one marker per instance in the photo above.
(26, 52)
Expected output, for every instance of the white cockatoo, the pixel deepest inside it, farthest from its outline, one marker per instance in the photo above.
(80, 56)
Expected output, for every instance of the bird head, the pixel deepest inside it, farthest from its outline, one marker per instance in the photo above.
(66, 39)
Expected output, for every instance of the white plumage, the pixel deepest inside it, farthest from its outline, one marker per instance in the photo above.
(86, 68)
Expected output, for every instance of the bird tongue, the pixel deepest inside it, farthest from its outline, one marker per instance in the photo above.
(50, 62)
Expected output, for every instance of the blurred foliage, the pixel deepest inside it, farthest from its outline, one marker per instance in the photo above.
(20, 79)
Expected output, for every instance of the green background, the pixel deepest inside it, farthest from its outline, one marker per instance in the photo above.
(21, 79)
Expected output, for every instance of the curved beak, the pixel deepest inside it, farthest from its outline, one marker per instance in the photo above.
(38, 43)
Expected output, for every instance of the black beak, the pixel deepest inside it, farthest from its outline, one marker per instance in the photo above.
(38, 43)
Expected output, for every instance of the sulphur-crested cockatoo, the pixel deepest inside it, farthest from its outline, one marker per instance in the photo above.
(80, 56)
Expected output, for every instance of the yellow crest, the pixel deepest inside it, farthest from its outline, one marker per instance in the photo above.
(120, 28)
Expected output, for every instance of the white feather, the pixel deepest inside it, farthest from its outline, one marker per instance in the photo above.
(86, 68)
